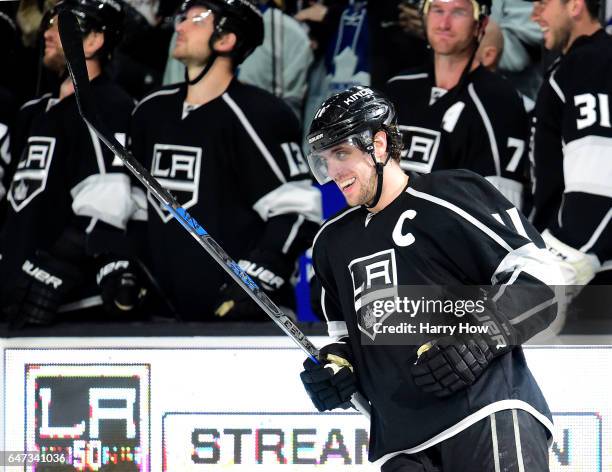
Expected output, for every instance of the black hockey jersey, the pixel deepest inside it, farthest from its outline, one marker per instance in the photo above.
(64, 176)
(8, 110)
(481, 126)
(235, 164)
(446, 228)
(572, 148)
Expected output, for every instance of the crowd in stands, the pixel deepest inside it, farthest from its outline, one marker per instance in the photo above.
(94, 222)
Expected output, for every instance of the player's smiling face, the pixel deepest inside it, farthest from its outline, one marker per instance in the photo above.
(451, 27)
(556, 24)
(353, 172)
(193, 32)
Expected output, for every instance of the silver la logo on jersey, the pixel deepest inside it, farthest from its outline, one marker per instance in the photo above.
(177, 168)
(30, 178)
(374, 280)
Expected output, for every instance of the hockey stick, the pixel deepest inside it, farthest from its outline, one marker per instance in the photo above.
(75, 60)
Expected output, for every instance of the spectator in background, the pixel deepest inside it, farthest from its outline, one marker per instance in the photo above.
(397, 38)
(572, 142)
(230, 153)
(455, 113)
(281, 64)
(520, 61)
(70, 198)
(491, 47)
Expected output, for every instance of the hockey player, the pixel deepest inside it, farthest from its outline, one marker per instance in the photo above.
(63, 246)
(456, 114)
(572, 142)
(457, 403)
(230, 153)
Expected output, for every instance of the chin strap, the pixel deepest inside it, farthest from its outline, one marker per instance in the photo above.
(380, 167)
(203, 72)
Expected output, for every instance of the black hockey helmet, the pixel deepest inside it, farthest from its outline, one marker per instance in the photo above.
(356, 115)
(105, 16)
(241, 17)
(482, 8)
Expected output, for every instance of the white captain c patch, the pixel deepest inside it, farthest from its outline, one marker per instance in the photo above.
(30, 178)
(177, 168)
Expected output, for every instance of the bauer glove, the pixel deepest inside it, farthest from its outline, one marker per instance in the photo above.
(268, 271)
(331, 383)
(42, 286)
(120, 286)
(452, 363)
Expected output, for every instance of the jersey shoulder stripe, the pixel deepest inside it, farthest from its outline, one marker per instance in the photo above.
(30, 103)
(333, 220)
(421, 75)
(153, 95)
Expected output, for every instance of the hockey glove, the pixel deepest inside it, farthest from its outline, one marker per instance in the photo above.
(452, 363)
(234, 304)
(331, 383)
(578, 268)
(120, 286)
(42, 286)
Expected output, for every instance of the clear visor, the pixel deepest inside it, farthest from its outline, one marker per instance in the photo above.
(334, 160)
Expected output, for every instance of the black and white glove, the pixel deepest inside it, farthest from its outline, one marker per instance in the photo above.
(234, 304)
(578, 268)
(42, 286)
(120, 286)
(331, 383)
(452, 363)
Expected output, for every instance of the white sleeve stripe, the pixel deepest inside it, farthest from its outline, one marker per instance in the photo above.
(498, 218)
(292, 234)
(517, 222)
(595, 236)
(502, 288)
(98, 150)
(337, 329)
(153, 95)
(553, 83)
(438, 201)
(333, 220)
(487, 123)
(323, 305)
(536, 309)
(422, 75)
(255, 137)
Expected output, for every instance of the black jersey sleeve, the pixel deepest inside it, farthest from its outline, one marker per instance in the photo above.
(493, 244)
(546, 155)
(329, 297)
(274, 173)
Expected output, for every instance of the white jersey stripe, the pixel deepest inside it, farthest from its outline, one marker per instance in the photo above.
(292, 234)
(255, 137)
(97, 150)
(495, 442)
(35, 101)
(153, 95)
(485, 229)
(333, 220)
(487, 124)
(517, 442)
(422, 75)
(553, 83)
(597, 233)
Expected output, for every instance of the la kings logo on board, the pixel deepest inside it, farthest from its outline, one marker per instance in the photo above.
(30, 178)
(421, 148)
(177, 168)
(374, 278)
